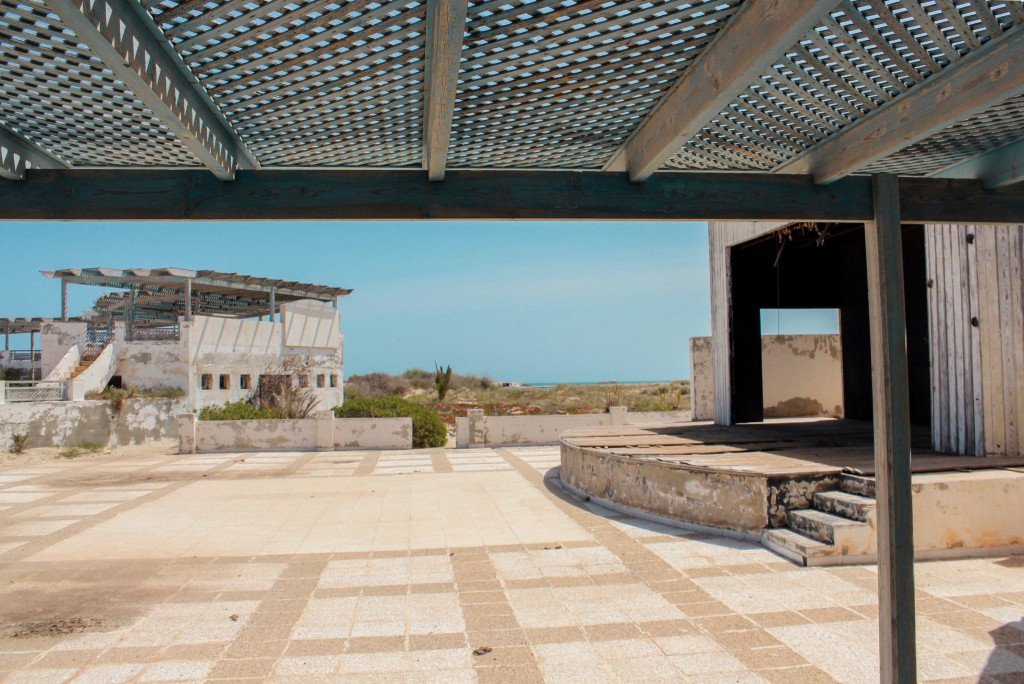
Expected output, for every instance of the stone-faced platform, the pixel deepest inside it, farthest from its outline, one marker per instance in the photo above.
(804, 488)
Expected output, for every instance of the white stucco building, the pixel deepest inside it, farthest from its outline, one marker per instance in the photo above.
(215, 336)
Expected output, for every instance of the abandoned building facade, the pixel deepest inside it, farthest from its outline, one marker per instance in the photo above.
(214, 337)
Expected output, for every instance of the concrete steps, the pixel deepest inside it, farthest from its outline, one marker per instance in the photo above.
(83, 364)
(840, 525)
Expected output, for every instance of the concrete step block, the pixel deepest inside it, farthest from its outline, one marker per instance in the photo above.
(850, 537)
(846, 505)
(857, 484)
(793, 543)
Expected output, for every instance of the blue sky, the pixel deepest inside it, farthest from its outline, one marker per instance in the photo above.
(521, 301)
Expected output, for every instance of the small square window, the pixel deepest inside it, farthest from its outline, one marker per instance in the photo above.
(303, 380)
(334, 379)
(225, 381)
(206, 381)
(321, 380)
(244, 382)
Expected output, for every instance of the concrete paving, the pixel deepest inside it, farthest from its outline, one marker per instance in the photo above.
(433, 566)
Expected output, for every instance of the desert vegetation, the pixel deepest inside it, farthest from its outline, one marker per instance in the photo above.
(466, 392)
(428, 430)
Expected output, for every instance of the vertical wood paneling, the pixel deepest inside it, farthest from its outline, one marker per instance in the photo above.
(977, 371)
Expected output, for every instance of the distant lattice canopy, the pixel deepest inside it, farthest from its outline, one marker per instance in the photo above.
(822, 87)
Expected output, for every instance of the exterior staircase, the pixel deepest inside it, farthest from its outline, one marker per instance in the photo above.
(85, 361)
(838, 528)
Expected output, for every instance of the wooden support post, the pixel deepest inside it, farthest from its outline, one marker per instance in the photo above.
(890, 389)
(273, 306)
(188, 299)
(63, 299)
(32, 354)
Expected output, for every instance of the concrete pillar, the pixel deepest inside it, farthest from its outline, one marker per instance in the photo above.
(618, 414)
(32, 355)
(3, 392)
(188, 428)
(188, 299)
(273, 304)
(63, 299)
(325, 431)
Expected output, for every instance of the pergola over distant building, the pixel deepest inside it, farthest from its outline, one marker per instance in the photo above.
(161, 296)
(720, 110)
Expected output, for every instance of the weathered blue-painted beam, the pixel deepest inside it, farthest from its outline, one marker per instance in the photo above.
(367, 195)
(995, 169)
(759, 32)
(121, 34)
(17, 155)
(982, 79)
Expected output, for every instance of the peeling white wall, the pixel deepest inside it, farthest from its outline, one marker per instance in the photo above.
(802, 374)
(71, 423)
(480, 430)
(55, 338)
(301, 434)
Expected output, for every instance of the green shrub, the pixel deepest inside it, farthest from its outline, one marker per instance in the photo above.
(237, 410)
(427, 428)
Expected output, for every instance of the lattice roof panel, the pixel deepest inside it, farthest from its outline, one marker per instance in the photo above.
(563, 83)
(538, 84)
(860, 57)
(56, 93)
(309, 82)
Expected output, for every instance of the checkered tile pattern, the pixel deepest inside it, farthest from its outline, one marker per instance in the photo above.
(434, 566)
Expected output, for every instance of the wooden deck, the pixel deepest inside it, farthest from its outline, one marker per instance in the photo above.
(773, 448)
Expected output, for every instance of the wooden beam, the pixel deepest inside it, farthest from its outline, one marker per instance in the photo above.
(995, 169)
(983, 78)
(288, 194)
(446, 26)
(17, 154)
(756, 35)
(129, 43)
(890, 388)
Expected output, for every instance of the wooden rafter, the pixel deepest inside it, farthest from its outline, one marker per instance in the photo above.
(446, 26)
(995, 169)
(979, 80)
(128, 45)
(718, 75)
(17, 154)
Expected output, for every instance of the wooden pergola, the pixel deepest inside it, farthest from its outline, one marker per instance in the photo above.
(876, 111)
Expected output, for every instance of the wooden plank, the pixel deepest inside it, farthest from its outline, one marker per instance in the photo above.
(933, 254)
(1016, 339)
(996, 169)
(125, 38)
(890, 386)
(991, 346)
(980, 80)
(956, 323)
(299, 194)
(1003, 264)
(977, 446)
(722, 71)
(446, 25)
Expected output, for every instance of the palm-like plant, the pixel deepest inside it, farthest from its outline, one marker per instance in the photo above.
(442, 380)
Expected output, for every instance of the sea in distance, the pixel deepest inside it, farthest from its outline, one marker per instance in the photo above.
(545, 385)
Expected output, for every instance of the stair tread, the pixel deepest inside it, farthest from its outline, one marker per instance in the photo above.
(798, 542)
(847, 497)
(823, 517)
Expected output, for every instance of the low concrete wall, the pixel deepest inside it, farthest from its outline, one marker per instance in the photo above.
(476, 429)
(251, 435)
(373, 433)
(71, 423)
(323, 432)
(969, 510)
(803, 376)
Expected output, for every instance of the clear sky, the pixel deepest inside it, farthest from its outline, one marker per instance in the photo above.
(520, 301)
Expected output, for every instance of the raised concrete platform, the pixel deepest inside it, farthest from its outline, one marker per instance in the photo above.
(803, 488)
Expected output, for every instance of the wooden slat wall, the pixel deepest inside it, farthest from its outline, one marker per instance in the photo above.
(977, 272)
(721, 236)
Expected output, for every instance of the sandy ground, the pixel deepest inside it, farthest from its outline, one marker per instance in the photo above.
(437, 565)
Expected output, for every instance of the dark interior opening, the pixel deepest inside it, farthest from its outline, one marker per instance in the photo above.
(823, 266)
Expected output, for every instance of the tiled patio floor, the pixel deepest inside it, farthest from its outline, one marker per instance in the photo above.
(433, 566)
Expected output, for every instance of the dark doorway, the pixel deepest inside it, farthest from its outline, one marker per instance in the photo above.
(823, 266)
